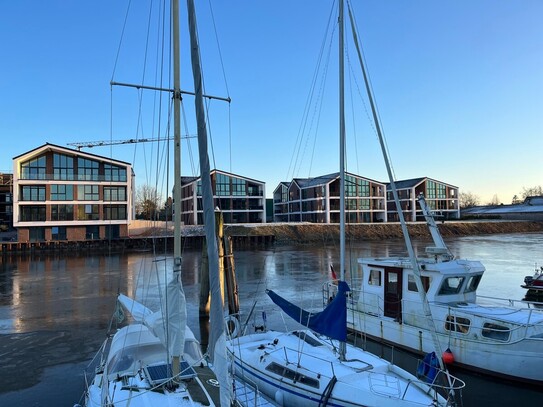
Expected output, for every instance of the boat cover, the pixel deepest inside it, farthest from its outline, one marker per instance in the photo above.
(332, 321)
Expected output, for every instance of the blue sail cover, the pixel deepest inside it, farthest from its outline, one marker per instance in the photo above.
(332, 321)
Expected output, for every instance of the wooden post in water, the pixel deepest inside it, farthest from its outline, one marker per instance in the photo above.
(227, 276)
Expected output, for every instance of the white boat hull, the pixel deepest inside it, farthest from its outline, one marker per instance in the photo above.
(316, 373)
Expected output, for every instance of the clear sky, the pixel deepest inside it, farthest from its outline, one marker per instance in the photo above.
(459, 86)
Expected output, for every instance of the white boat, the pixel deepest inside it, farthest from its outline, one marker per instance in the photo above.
(315, 366)
(156, 360)
(303, 367)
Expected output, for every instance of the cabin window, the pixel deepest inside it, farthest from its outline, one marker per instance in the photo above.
(412, 286)
(473, 283)
(303, 335)
(292, 375)
(451, 285)
(392, 283)
(494, 331)
(457, 324)
(375, 277)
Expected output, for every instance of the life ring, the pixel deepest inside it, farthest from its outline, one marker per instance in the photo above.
(232, 326)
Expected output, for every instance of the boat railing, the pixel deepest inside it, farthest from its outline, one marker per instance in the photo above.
(439, 382)
(300, 354)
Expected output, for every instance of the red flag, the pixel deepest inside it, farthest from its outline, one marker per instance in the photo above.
(333, 272)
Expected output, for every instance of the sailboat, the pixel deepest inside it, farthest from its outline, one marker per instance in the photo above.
(315, 365)
(156, 360)
(429, 303)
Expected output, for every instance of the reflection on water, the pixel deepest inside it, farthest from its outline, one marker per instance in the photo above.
(55, 311)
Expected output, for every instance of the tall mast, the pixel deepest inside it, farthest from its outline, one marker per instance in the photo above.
(177, 136)
(342, 348)
(177, 166)
(216, 312)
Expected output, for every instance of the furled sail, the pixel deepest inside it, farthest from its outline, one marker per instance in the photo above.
(332, 321)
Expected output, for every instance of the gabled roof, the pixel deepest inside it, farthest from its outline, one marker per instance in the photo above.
(326, 179)
(187, 180)
(413, 182)
(67, 150)
(282, 184)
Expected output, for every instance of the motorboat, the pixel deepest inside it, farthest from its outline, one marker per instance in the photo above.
(535, 281)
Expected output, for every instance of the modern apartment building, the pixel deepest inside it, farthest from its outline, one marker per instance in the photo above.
(317, 200)
(441, 198)
(241, 199)
(65, 194)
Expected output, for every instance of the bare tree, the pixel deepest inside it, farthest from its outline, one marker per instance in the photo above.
(494, 201)
(167, 211)
(468, 200)
(516, 200)
(147, 200)
(533, 191)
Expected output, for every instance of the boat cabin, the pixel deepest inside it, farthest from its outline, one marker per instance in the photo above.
(390, 285)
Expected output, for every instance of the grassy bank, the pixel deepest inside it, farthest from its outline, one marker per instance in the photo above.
(309, 232)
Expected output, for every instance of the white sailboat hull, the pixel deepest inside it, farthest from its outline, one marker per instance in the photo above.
(295, 372)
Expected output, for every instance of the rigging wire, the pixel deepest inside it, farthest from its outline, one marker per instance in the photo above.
(225, 84)
(370, 86)
(296, 158)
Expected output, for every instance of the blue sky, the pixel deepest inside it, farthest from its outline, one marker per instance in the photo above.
(459, 86)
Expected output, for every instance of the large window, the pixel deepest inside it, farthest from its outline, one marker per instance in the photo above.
(36, 234)
(62, 192)
(33, 213)
(222, 185)
(114, 193)
(87, 170)
(115, 212)
(114, 173)
(92, 232)
(63, 167)
(62, 212)
(238, 187)
(88, 193)
(34, 169)
(88, 212)
(58, 233)
(33, 193)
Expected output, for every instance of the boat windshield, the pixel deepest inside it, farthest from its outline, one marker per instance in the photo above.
(451, 285)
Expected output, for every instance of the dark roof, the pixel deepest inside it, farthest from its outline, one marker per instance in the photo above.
(413, 182)
(187, 180)
(325, 179)
(71, 151)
